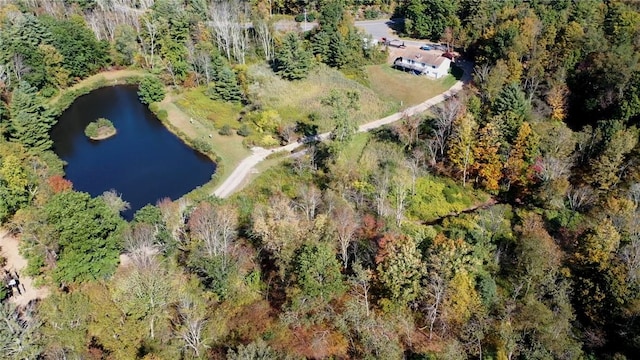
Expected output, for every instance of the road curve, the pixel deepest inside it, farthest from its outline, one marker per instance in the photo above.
(259, 154)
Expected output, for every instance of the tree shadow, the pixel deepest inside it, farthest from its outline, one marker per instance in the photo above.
(396, 24)
(306, 129)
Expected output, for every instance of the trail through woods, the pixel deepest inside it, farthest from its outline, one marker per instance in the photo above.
(17, 264)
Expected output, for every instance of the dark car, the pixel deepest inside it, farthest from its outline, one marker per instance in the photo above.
(425, 47)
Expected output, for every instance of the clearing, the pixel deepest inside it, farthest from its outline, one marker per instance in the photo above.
(301, 100)
(229, 149)
(409, 89)
(16, 263)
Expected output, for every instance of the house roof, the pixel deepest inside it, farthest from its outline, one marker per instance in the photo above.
(423, 57)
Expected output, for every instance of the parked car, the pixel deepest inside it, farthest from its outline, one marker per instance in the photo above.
(449, 55)
(425, 47)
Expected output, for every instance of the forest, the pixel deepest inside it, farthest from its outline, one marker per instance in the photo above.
(502, 224)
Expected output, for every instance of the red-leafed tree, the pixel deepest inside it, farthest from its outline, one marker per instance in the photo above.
(59, 184)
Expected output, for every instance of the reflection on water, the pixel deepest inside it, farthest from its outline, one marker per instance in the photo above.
(143, 161)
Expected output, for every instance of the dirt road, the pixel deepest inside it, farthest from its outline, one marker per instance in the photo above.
(259, 154)
(16, 263)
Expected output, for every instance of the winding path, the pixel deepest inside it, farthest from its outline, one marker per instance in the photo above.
(259, 154)
(17, 264)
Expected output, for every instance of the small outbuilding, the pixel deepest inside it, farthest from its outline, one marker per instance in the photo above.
(432, 65)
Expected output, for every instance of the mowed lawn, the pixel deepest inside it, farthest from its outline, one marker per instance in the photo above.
(201, 118)
(397, 86)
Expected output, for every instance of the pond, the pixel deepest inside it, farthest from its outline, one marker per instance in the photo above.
(144, 161)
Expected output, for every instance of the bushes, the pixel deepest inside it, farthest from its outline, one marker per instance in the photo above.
(99, 128)
(244, 130)
(311, 16)
(162, 115)
(437, 197)
(151, 90)
(225, 130)
(371, 14)
(202, 145)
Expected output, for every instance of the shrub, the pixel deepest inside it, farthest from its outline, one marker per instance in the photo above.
(244, 130)
(150, 90)
(226, 130)
(162, 115)
(371, 14)
(268, 141)
(202, 145)
(48, 92)
(438, 197)
(314, 116)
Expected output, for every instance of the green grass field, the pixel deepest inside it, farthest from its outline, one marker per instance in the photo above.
(197, 105)
(398, 86)
(198, 117)
(301, 100)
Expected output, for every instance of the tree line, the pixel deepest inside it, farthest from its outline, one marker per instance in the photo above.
(350, 249)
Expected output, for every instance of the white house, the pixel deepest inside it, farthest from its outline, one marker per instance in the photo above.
(423, 63)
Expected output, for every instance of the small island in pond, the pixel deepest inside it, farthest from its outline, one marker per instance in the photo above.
(100, 129)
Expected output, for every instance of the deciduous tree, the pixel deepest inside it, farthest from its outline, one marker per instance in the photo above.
(460, 152)
(488, 165)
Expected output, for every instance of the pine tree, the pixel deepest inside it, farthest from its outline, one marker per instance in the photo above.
(30, 119)
(292, 61)
(218, 65)
(514, 108)
(225, 87)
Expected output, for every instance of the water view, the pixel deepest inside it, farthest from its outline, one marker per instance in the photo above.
(144, 161)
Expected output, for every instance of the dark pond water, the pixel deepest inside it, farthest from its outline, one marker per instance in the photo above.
(143, 161)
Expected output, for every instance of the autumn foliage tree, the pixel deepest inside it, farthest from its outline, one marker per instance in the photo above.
(488, 164)
(59, 184)
(523, 154)
(460, 153)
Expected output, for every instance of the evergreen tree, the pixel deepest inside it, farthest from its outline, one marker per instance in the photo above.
(218, 65)
(318, 272)
(512, 106)
(30, 119)
(292, 61)
(83, 54)
(19, 43)
(88, 234)
(336, 41)
(225, 87)
(429, 18)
